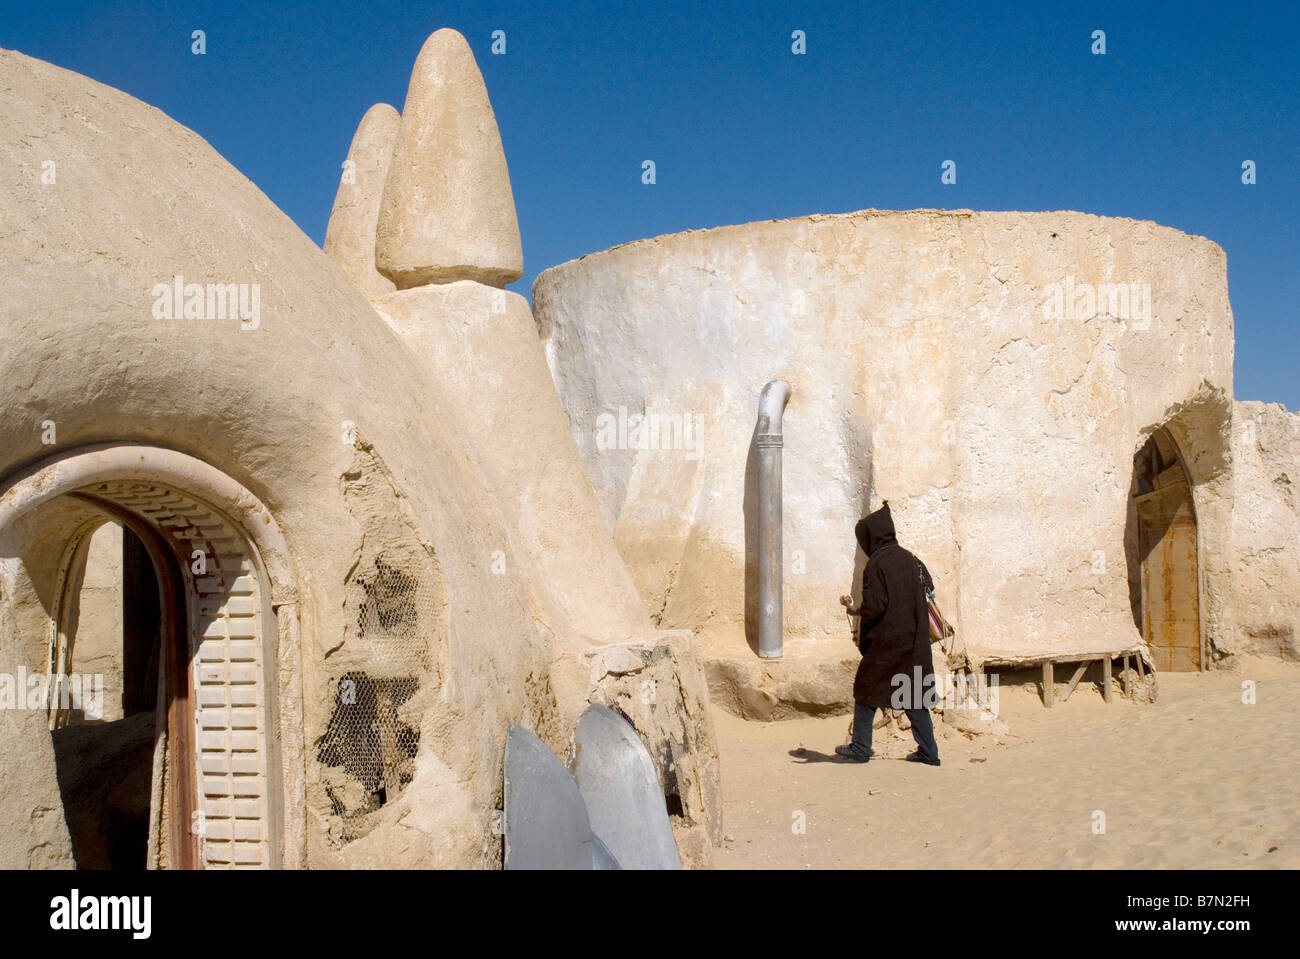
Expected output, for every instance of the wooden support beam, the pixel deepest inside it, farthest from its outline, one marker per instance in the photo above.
(1074, 680)
(1105, 679)
(1048, 683)
(1128, 686)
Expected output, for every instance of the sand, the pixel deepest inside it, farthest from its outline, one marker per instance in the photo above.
(1196, 779)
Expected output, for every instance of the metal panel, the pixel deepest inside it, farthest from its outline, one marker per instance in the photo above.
(546, 824)
(617, 779)
(601, 857)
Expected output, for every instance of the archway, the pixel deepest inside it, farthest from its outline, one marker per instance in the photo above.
(223, 598)
(1168, 587)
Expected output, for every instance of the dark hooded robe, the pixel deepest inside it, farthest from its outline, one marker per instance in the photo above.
(894, 630)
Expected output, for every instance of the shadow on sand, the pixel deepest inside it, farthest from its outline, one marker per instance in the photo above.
(804, 756)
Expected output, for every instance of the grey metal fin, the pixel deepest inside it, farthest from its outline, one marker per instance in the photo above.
(625, 802)
(545, 822)
(601, 857)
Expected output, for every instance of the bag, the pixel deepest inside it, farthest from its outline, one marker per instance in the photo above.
(940, 629)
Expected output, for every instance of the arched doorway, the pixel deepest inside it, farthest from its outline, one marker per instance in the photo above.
(212, 628)
(1167, 555)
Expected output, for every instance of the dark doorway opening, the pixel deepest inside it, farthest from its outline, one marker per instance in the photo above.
(1164, 573)
(104, 743)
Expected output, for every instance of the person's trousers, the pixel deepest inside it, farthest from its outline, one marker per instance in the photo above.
(864, 720)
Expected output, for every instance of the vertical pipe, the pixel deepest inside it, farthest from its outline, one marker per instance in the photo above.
(768, 439)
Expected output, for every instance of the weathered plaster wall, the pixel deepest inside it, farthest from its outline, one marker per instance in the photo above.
(36, 833)
(478, 348)
(98, 649)
(1266, 529)
(927, 369)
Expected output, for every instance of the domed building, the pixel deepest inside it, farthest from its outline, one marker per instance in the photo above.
(353, 542)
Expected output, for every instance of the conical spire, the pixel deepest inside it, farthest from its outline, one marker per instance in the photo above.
(350, 236)
(447, 211)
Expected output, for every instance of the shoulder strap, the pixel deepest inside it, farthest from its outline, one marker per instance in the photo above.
(921, 572)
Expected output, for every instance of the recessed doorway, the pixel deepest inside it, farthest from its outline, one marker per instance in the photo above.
(1167, 552)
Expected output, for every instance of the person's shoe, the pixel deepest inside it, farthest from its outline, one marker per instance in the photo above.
(848, 752)
(916, 757)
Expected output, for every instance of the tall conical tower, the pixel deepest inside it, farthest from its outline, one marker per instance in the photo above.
(447, 211)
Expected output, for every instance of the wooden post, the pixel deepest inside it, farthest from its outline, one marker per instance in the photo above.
(1105, 678)
(1128, 686)
(1048, 683)
(1074, 681)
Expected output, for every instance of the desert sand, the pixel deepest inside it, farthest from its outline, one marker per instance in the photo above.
(1195, 780)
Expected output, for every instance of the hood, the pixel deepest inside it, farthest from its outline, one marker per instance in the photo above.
(876, 531)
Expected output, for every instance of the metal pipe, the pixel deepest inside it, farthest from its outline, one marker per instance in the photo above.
(768, 439)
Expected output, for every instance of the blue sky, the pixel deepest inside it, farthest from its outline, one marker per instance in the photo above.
(741, 129)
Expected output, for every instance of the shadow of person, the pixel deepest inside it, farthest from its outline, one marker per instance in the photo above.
(804, 756)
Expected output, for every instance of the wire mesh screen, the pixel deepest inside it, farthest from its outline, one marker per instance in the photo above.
(369, 746)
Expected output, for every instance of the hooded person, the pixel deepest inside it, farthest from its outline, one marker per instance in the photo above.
(897, 668)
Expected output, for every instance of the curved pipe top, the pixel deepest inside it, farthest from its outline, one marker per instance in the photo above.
(771, 405)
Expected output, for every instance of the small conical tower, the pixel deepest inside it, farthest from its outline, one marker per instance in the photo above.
(447, 211)
(350, 236)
